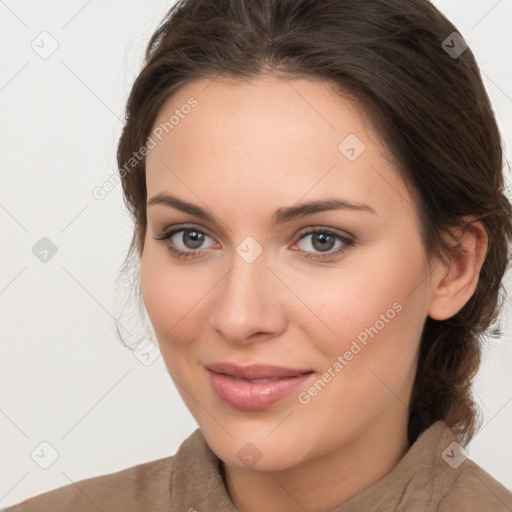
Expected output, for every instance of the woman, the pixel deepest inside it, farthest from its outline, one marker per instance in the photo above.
(322, 232)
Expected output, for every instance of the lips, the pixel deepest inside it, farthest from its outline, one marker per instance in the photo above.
(256, 386)
(256, 372)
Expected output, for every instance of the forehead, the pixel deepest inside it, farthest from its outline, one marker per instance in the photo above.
(270, 140)
(263, 106)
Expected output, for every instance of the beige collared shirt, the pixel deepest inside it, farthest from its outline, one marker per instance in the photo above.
(433, 476)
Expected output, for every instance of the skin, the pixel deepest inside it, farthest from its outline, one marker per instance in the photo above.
(244, 151)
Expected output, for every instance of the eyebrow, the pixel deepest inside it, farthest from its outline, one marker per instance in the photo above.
(280, 216)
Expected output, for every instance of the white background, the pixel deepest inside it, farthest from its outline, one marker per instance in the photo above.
(64, 377)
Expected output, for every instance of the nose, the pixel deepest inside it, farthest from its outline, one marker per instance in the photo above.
(248, 303)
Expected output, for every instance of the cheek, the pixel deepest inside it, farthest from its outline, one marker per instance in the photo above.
(375, 314)
(369, 365)
(166, 297)
(169, 297)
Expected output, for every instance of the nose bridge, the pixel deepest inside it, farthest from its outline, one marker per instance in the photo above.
(246, 300)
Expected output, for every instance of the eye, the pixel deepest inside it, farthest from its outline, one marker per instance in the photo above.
(324, 241)
(186, 244)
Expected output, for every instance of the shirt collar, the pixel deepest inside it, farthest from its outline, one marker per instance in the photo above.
(197, 481)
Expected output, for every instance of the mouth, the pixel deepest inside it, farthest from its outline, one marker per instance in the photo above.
(256, 386)
(255, 381)
(255, 372)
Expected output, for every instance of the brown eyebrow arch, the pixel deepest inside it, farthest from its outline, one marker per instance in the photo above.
(280, 216)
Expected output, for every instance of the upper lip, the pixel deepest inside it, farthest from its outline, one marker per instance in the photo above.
(255, 371)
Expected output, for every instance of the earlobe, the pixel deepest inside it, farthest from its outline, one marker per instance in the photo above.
(459, 277)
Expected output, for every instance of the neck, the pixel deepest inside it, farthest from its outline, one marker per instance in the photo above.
(324, 482)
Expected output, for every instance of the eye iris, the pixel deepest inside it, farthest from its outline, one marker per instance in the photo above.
(324, 240)
(195, 237)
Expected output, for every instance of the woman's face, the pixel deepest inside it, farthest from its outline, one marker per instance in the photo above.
(336, 294)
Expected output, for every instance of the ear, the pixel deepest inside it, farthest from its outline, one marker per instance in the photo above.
(458, 277)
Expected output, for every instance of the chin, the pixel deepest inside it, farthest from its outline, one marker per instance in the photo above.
(248, 452)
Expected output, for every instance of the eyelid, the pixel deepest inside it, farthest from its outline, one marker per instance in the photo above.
(347, 240)
(320, 227)
(185, 227)
(169, 232)
(301, 234)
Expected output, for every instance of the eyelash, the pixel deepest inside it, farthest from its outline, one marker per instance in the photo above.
(166, 236)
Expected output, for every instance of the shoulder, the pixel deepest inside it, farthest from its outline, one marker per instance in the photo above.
(435, 475)
(131, 489)
(458, 482)
(474, 489)
(192, 474)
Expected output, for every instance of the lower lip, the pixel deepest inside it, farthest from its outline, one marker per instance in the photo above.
(252, 396)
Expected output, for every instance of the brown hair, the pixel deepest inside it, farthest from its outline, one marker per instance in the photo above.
(429, 106)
